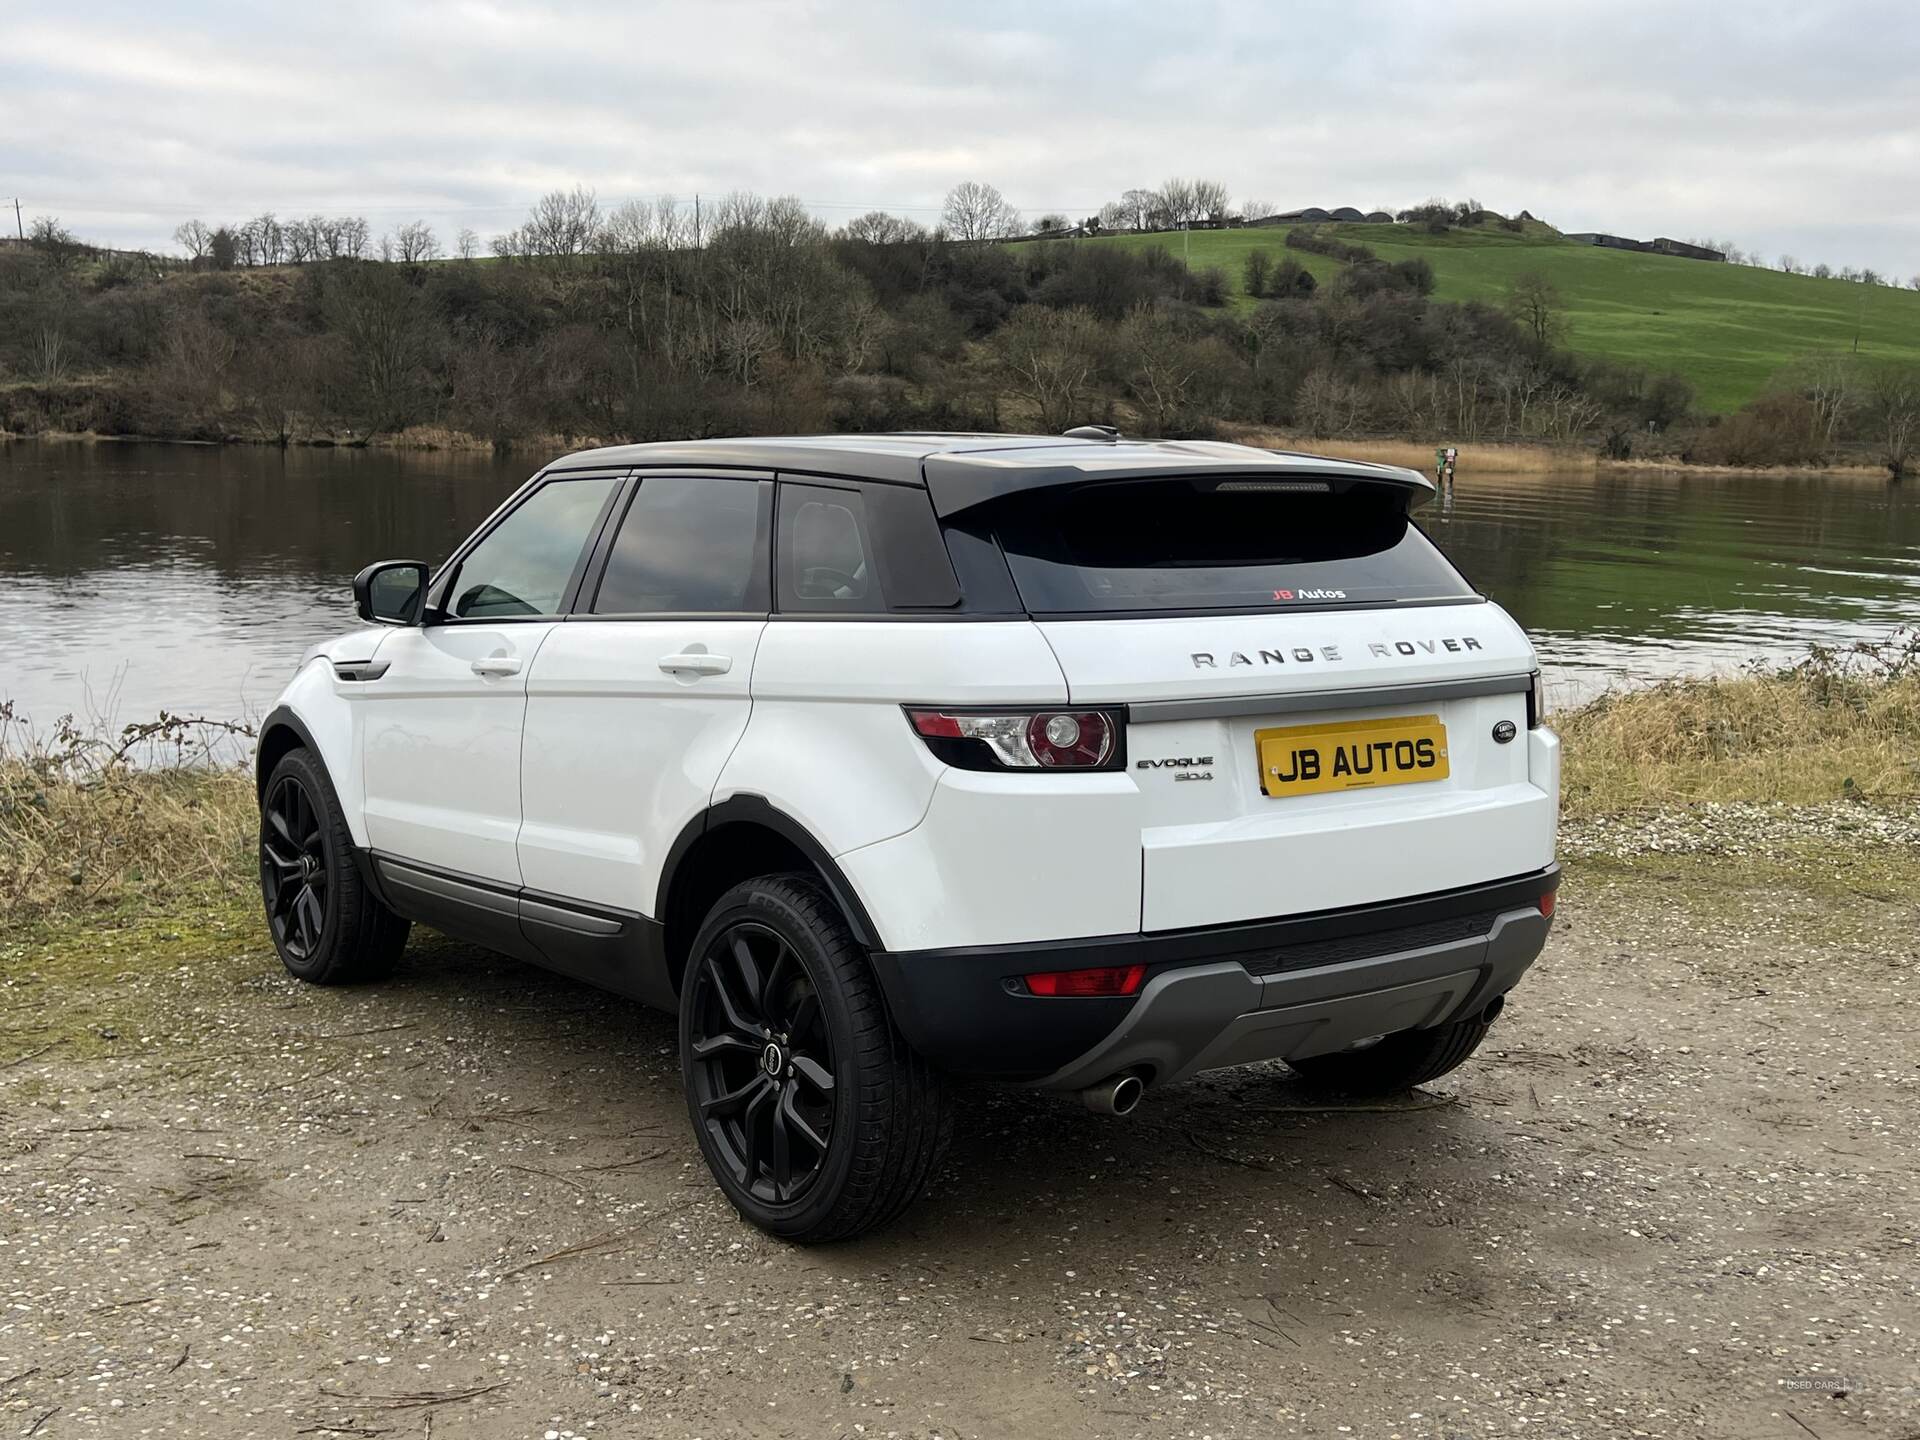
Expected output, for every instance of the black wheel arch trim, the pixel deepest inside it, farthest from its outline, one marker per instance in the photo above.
(281, 717)
(750, 809)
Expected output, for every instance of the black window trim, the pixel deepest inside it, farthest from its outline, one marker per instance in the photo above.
(581, 599)
(434, 614)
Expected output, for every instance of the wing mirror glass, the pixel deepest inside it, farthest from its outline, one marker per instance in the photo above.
(390, 591)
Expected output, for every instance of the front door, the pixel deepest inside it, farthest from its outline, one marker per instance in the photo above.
(441, 725)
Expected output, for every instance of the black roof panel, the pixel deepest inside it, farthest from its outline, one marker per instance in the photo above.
(962, 470)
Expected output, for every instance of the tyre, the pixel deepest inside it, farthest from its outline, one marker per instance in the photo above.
(329, 928)
(1397, 1062)
(816, 1117)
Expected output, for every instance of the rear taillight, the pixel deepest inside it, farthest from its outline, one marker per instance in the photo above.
(1021, 739)
(1546, 904)
(1536, 702)
(1100, 980)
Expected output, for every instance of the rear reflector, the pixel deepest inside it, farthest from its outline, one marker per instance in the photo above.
(1101, 980)
(1546, 904)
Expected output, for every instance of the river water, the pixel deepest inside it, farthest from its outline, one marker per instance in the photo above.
(137, 578)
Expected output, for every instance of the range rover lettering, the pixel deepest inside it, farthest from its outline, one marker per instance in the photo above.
(863, 756)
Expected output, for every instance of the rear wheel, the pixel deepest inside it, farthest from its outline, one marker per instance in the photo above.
(327, 926)
(816, 1117)
(1397, 1062)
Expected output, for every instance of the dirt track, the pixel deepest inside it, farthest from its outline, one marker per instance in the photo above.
(1681, 1174)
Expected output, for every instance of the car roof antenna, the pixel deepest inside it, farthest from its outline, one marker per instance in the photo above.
(1107, 433)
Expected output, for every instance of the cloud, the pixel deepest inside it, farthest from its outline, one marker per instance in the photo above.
(1750, 121)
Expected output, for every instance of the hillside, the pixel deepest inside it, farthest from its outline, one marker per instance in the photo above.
(1727, 328)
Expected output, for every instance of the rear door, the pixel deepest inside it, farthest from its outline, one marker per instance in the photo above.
(441, 723)
(1322, 713)
(636, 702)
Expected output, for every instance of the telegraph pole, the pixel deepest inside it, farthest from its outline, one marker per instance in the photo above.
(16, 218)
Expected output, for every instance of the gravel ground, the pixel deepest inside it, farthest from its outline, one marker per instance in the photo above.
(1673, 1196)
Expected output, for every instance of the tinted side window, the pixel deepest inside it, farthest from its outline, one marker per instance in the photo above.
(523, 566)
(824, 559)
(687, 546)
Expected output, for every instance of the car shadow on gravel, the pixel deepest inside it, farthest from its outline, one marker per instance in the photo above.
(1237, 1145)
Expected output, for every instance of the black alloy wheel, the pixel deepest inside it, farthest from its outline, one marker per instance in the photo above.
(760, 1062)
(294, 877)
(328, 927)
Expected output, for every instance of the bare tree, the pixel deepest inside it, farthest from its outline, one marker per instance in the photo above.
(877, 227)
(1893, 405)
(1161, 367)
(563, 223)
(467, 244)
(974, 211)
(1535, 304)
(268, 239)
(1830, 382)
(1050, 356)
(1175, 203)
(54, 243)
(354, 237)
(1132, 211)
(415, 242)
(195, 237)
(1212, 202)
(303, 240)
(1251, 210)
(1328, 404)
(51, 353)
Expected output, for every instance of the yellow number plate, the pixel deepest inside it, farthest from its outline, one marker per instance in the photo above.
(1358, 755)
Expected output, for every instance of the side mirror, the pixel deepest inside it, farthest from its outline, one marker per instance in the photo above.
(389, 592)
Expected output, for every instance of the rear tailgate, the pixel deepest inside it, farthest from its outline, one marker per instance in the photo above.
(1218, 848)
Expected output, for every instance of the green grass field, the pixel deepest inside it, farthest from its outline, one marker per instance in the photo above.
(1727, 328)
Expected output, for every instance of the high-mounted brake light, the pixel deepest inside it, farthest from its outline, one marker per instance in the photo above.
(1289, 487)
(1099, 980)
(1021, 739)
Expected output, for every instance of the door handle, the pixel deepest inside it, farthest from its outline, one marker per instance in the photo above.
(497, 665)
(696, 662)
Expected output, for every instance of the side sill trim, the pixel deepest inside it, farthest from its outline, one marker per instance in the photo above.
(1361, 699)
(617, 950)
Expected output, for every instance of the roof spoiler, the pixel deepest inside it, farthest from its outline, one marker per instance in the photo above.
(960, 481)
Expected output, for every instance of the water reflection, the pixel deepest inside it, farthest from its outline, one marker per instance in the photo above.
(136, 578)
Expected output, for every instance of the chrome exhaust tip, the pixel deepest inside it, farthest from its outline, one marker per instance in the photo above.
(1119, 1095)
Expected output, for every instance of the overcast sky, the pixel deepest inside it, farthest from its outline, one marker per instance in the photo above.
(1782, 127)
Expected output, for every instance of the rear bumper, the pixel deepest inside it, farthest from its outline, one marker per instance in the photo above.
(1225, 995)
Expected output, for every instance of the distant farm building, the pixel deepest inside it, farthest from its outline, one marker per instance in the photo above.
(1314, 215)
(1685, 250)
(1662, 246)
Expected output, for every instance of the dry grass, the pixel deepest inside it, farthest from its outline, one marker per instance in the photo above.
(148, 821)
(88, 822)
(1476, 460)
(1840, 724)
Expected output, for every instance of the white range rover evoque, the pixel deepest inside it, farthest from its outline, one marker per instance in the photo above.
(1069, 761)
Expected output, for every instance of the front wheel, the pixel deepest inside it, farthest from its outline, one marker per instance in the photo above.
(814, 1114)
(327, 926)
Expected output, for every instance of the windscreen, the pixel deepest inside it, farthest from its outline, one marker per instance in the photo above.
(1204, 545)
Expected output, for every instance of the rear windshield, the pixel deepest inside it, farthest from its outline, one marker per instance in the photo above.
(1182, 545)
